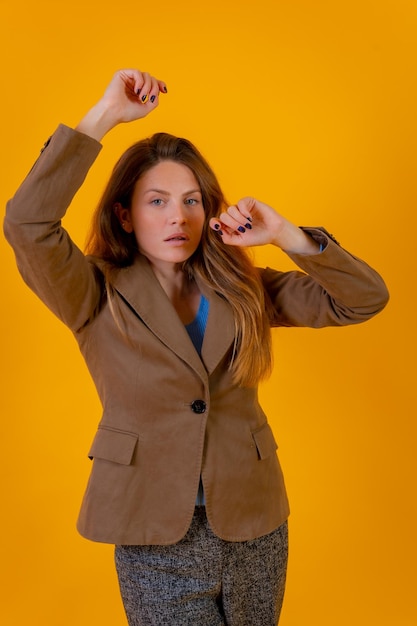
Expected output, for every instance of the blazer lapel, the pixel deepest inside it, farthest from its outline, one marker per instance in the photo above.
(220, 330)
(139, 287)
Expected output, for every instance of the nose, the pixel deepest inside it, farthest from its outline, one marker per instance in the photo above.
(178, 215)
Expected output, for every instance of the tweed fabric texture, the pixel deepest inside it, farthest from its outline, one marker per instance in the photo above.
(204, 580)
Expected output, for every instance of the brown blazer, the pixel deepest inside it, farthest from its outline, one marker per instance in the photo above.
(169, 416)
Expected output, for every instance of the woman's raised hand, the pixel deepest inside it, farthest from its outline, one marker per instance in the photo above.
(130, 95)
(250, 222)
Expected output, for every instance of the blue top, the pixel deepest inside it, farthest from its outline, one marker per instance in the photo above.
(197, 327)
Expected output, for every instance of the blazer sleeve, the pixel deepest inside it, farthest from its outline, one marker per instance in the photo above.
(48, 260)
(334, 288)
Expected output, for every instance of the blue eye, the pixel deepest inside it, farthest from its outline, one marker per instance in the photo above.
(157, 202)
(191, 201)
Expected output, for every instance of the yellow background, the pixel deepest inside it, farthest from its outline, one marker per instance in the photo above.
(311, 106)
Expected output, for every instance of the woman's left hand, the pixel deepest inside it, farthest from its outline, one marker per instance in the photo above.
(253, 223)
(130, 95)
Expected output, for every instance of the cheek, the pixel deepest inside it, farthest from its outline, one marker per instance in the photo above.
(145, 226)
(144, 235)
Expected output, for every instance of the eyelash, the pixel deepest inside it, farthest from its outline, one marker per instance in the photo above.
(188, 201)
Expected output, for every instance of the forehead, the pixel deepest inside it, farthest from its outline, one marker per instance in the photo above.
(168, 176)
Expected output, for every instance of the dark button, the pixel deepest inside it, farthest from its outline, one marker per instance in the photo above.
(198, 406)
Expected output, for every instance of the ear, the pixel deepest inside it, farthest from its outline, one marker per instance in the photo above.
(123, 215)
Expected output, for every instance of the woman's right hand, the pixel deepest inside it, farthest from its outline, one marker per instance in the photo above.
(130, 95)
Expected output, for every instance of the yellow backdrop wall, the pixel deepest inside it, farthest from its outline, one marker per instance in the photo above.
(311, 106)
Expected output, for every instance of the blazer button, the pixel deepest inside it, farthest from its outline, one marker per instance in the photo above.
(198, 406)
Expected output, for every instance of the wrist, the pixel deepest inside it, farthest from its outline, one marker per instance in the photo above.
(97, 122)
(291, 239)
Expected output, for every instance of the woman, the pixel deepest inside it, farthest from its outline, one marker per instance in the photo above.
(174, 324)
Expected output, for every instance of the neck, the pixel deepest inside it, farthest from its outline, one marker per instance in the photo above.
(181, 290)
(172, 279)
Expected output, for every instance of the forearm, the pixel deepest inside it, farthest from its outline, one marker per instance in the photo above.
(335, 288)
(56, 176)
(293, 240)
(347, 279)
(49, 262)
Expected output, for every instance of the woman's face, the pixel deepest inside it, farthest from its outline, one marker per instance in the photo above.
(167, 214)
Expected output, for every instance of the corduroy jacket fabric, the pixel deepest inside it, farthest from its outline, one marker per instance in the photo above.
(169, 416)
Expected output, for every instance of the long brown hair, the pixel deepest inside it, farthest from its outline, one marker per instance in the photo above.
(227, 269)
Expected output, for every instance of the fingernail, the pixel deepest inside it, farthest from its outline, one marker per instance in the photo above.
(217, 226)
(152, 98)
(241, 229)
(248, 226)
(220, 232)
(137, 91)
(249, 218)
(144, 98)
(165, 90)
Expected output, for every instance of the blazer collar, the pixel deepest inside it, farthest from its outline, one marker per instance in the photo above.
(139, 287)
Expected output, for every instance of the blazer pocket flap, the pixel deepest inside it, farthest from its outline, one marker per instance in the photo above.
(112, 445)
(264, 441)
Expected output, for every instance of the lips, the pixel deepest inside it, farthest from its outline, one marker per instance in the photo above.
(177, 237)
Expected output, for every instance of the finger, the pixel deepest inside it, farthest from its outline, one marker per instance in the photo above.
(154, 91)
(234, 221)
(240, 215)
(144, 87)
(162, 86)
(150, 94)
(229, 236)
(246, 207)
(151, 101)
(132, 79)
(228, 220)
(216, 225)
(222, 228)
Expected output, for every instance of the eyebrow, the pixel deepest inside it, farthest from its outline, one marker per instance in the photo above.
(167, 193)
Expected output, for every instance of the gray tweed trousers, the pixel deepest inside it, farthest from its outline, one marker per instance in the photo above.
(204, 580)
